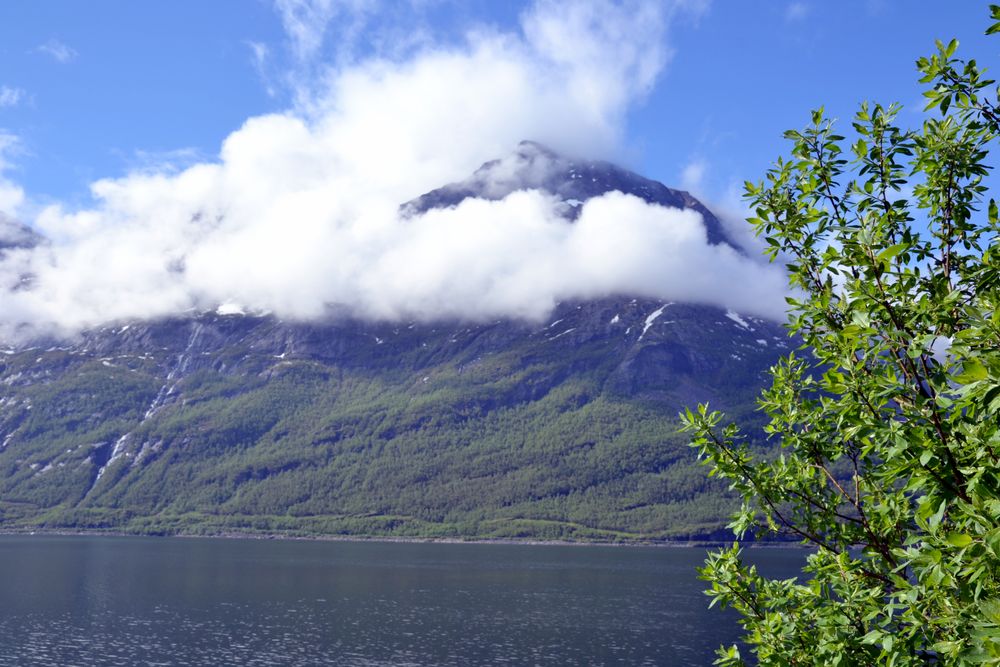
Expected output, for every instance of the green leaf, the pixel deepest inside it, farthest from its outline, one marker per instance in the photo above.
(991, 399)
(995, 14)
(959, 540)
(935, 519)
(886, 255)
(972, 371)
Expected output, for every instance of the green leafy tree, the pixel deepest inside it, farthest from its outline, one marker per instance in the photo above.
(889, 465)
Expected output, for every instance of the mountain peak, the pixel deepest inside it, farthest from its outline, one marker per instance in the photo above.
(535, 166)
(14, 234)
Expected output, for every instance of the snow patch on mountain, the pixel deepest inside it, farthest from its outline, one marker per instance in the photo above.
(652, 318)
(230, 308)
(735, 317)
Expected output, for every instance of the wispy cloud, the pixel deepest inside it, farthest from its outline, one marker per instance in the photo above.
(11, 97)
(165, 162)
(58, 51)
(260, 56)
(693, 175)
(796, 11)
(306, 22)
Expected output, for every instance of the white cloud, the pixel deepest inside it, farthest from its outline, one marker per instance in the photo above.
(11, 97)
(300, 212)
(58, 51)
(517, 256)
(631, 45)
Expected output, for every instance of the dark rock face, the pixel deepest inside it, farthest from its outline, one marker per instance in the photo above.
(15, 235)
(678, 353)
(212, 422)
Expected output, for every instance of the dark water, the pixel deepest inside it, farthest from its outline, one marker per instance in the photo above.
(138, 601)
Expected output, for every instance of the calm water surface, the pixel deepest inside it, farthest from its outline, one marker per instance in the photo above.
(160, 601)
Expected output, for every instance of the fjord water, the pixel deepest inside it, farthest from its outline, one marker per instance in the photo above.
(160, 601)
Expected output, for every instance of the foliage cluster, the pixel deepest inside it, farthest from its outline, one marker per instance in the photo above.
(888, 421)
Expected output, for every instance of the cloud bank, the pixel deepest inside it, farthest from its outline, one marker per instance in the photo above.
(299, 215)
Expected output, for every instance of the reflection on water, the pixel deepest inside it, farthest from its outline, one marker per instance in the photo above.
(157, 601)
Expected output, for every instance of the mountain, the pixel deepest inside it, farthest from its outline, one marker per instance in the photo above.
(228, 422)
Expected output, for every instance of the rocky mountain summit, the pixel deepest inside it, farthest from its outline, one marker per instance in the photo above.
(223, 421)
(535, 167)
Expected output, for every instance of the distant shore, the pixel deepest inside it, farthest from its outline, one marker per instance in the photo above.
(236, 535)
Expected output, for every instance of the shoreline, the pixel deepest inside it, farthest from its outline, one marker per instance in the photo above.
(387, 539)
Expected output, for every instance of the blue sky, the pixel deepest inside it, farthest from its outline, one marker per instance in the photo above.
(97, 89)
(253, 154)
